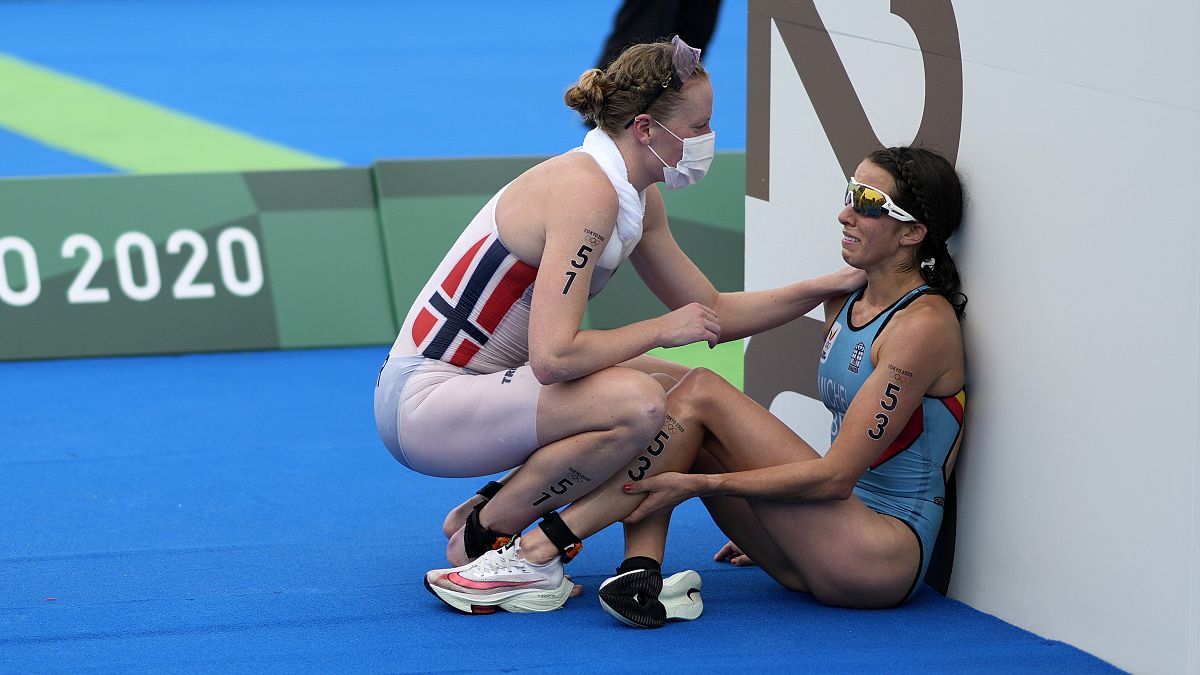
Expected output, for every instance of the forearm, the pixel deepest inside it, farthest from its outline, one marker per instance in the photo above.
(751, 312)
(593, 350)
(808, 480)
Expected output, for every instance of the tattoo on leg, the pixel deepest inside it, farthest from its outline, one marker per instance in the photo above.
(561, 486)
(645, 461)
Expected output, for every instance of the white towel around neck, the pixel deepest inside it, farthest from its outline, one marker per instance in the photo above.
(631, 203)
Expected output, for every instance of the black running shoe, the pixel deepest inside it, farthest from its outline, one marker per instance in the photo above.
(642, 599)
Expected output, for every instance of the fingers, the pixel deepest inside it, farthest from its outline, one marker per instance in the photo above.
(733, 555)
(692, 323)
(638, 487)
(727, 551)
(712, 333)
(638, 514)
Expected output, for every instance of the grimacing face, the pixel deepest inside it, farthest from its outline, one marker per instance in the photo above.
(868, 240)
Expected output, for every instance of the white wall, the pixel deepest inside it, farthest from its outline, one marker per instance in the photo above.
(1079, 486)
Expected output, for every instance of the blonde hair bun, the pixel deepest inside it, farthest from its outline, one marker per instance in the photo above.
(587, 95)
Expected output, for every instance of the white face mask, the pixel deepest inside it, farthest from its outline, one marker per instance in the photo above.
(698, 154)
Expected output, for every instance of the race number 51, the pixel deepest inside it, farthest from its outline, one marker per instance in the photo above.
(139, 277)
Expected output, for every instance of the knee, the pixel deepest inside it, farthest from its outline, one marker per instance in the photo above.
(639, 403)
(697, 389)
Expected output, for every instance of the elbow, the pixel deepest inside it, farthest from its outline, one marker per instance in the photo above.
(549, 370)
(840, 486)
(841, 491)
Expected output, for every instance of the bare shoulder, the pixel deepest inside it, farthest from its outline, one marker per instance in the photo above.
(572, 180)
(566, 191)
(925, 340)
(928, 325)
(833, 307)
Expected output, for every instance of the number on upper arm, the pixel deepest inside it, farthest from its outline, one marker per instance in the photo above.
(888, 402)
(889, 396)
(580, 261)
(582, 257)
(877, 432)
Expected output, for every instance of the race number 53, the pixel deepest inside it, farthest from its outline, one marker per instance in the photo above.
(888, 403)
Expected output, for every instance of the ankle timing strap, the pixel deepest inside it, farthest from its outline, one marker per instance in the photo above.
(639, 562)
(561, 536)
(478, 539)
(488, 491)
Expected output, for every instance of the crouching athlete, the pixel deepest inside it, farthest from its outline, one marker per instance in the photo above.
(855, 527)
(491, 371)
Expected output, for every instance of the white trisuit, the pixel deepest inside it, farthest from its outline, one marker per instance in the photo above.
(456, 396)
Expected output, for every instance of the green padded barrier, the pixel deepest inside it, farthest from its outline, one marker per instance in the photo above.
(424, 205)
(323, 246)
(182, 263)
(202, 262)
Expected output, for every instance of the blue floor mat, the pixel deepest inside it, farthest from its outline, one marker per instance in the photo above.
(236, 512)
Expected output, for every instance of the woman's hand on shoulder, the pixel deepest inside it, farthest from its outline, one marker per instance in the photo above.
(838, 287)
(846, 281)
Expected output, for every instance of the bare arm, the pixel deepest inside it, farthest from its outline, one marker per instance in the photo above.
(577, 230)
(918, 350)
(675, 279)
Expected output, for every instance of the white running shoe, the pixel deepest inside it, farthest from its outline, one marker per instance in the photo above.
(502, 578)
(642, 599)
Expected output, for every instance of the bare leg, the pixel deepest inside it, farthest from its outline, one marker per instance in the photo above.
(841, 551)
(663, 371)
(458, 515)
(652, 365)
(735, 517)
(673, 449)
(588, 429)
(648, 539)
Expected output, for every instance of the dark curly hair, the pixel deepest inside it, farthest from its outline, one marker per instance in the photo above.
(928, 187)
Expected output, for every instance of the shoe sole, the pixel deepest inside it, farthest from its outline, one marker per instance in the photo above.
(678, 598)
(519, 600)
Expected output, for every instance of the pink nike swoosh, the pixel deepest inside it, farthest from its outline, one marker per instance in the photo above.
(480, 585)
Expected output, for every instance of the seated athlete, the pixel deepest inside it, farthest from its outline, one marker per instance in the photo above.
(854, 527)
(491, 370)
